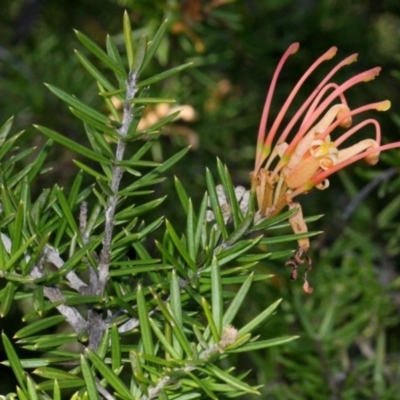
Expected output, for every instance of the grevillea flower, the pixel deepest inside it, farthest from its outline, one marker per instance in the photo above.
(294, 157)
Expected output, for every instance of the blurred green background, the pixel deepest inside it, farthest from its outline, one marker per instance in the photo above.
(349, 345)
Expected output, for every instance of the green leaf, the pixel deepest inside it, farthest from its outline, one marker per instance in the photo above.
(115, 349)
(168, 257)
(233, 252)
(67, 213)
(99, 143)
(74, 191)
(153, 129)
(231, 194)
(37, 252)
(288, 238)
(152, 48)
(162, 395)
(177, 330)
(136, 211)
(21, 394)
(79, 105)
(88, 121)
(113, 53)
(40, 325)
(216, 296)
(38, 304)
(5, 130)
(215, 204)
(56, 391)
(241, 278)
(67, 384)
(14, 361)
(202, 384)
(190, 224)
(96, 74)
(200, 338)
(54, 373)
(230, 380)
(99, 196)
(140, 54)
(48, 341)
(72, 145)
(388, 213)
(210, 320)
(137, 270)
(179, 246)
(112, 107)
(15, 257)
(90, 171)
(164, 341)
(253, 258)
(18, 157)
(33, 395)
(262, 344)
(176, 308)
(72, 261)
(7, 299)
(152, 100)
(201, 228)
(94, 219)
(4, 222)
(138, 163)
(239, 342)
(104, 344)
(7, 203)
(89, 379)
(271, 223)
(145, 331)
(18, 177)
(25, 194)
(36, 166)
(238, 300)
(105, 187)
(182, 194)
(260, 319)
(164, 75)
(327, 324)
(8, 144)
(79, 300)
(171, 161)
(110, 377)
(128, 38)
(100, 54)
(124, 305)
(136, 365)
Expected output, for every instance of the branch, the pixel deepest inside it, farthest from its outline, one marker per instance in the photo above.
(228, 337)
(362, 194)
(54, 294)
(102, 390)
(52, 256)
(117, 174)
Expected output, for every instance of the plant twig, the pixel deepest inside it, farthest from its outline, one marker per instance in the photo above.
(74, 282)
(362, 194)
(73, 317)
(117, 174)
(102, 390)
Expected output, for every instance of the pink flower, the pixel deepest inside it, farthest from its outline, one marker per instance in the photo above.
(292, 158)
(301, 155)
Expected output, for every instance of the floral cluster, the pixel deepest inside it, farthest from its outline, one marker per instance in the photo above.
(293, 157)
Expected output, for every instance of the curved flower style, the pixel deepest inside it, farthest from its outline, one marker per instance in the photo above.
(293, 159)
